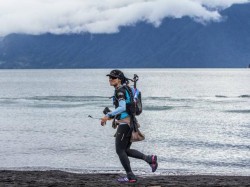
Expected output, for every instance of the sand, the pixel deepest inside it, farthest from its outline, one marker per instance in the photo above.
(60, 178)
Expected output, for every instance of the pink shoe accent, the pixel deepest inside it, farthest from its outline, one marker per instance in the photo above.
(126, 180)
(154, 164)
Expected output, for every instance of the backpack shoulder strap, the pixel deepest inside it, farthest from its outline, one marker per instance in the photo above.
(130, 92)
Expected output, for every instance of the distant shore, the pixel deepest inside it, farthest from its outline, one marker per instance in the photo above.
(61, 178)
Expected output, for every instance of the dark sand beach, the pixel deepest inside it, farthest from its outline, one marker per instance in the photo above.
(61, 178)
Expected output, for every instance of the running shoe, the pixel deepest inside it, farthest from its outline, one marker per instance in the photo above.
(154, 163)
(126, 180)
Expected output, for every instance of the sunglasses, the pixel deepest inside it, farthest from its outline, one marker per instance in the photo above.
(113, 77)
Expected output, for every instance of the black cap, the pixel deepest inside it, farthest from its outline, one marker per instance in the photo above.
(116, 73)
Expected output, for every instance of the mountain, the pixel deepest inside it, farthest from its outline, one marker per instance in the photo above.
(177, 43)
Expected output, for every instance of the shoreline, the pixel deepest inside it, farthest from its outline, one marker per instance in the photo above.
(63, 178)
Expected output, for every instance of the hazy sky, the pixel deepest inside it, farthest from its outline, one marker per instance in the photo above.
(100, 16)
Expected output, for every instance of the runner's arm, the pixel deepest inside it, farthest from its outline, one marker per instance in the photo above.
(121, 108)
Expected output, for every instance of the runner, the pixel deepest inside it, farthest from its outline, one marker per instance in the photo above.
(122, 140)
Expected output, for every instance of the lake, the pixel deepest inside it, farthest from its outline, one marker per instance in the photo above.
(196, 120)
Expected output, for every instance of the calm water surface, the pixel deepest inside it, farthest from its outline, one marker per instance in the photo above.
(195, 120)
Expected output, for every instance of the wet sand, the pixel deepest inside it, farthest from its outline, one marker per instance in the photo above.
(60, 178)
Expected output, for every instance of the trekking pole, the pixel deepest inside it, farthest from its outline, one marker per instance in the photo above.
(93, 117)
(135, 79)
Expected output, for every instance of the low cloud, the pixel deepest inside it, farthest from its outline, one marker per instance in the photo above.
(100, 16)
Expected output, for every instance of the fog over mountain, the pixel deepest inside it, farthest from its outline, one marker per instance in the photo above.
(188, 33)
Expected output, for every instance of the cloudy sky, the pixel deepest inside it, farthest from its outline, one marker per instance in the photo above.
(100, 16)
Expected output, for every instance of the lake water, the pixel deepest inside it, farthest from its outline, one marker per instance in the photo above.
(196, 120)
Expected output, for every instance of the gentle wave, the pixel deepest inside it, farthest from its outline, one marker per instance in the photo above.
(238, 111)
(58, 105)
(98, 98)
(68, 98)
(149, 103)
(202, 144)
(245, 96)
(241, 96)
(59, 98)
(189, 99)
(157, 108)
(170, 99)
(240, 164)
(156, 98)
(54, 101)
(221, 96)
(54, 98)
